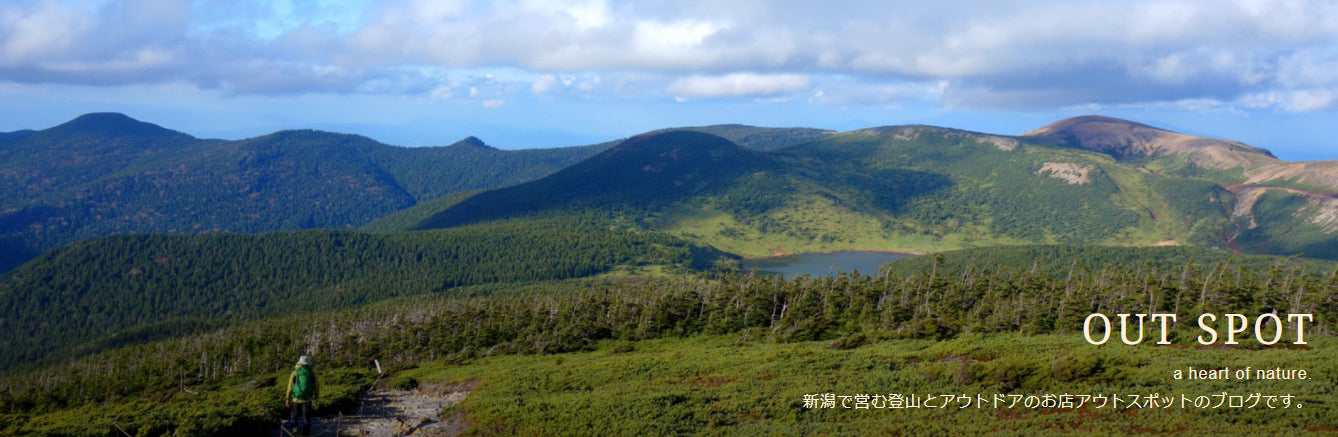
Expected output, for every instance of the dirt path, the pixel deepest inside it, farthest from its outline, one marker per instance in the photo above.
(392, 412)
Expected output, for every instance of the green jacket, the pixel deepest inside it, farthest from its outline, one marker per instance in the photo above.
(305, 392)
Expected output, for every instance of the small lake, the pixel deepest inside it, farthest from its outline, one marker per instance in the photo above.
(822, 264)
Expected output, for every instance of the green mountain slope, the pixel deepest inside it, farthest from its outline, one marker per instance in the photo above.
(123, 331)
(918, 189)
(1087, 180)
(762, 139)
(431, 172)
(409, 218)
(48, 164)
(126, 289)
(948, 181)
(106, 174)
(644, 173)
(1273, 206)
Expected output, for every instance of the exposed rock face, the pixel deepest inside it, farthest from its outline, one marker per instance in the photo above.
(1322, 208)
(1074, 174)
(1323, 174)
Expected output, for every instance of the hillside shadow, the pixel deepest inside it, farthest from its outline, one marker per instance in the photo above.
(895, 190)
(640, 174)
(14, 253)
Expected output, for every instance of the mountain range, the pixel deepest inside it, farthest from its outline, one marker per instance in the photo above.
(1086, 180)
(129, 233)
(749, 190)
(104, 174)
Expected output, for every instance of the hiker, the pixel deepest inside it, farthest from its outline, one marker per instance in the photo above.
(303, 391)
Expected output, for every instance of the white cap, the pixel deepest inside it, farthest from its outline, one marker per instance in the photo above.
(303, 361)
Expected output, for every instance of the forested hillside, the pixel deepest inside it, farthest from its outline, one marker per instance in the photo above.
(1058, 260)
(642, 174)
(590, 252)
(127, 289)
(1273, 206)
(235, 367)
(105, 174)
(762, 139)
(945, 181)
(911, 188)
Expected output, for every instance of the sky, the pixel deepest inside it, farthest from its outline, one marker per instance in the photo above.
(526, 73)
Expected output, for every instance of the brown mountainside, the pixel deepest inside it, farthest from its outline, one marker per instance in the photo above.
(1125, 140)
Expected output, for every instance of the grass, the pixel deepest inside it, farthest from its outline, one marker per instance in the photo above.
(816, 224)
(718, 385)
(233, 406)
(634, 272)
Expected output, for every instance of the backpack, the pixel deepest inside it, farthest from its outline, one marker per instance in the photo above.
(303, 383)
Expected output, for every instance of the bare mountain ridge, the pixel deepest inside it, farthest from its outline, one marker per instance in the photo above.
(1127, 140)
(1321, 174)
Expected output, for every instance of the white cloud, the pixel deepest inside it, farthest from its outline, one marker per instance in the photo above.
(38, 29)
(544, 84)
(1258, 100)
(1011, 53)
(738, 85)
(442, 93)
(1309, 67)
(590, 84)
(493, 103)
(1296, 101)
(658, 37)
(860, 94)
(1310, 100)
(587, 15)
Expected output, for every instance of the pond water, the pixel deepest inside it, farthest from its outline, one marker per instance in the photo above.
(822, 264)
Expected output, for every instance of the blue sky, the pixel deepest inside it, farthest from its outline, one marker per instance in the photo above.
(524, 73)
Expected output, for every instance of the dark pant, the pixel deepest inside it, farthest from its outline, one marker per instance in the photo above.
(305, 408)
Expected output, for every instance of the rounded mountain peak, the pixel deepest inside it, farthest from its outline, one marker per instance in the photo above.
(112, 124)
(1088, 122)
(473, 141)
(657, 152)
(1124, 139)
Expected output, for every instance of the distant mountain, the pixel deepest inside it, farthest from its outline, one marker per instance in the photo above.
(643, 172)
(1164, 150)
(1130, 141)
(748, 190)
(43, 163)
(925, 188)
(105, 174)
(15, 134)
(1278, 206)
(621, 214)
(762, 139)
